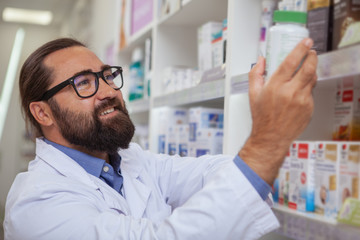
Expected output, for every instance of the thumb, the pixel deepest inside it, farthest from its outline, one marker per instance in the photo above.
(256, 79)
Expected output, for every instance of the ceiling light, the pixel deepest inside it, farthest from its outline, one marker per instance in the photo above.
(27, 16)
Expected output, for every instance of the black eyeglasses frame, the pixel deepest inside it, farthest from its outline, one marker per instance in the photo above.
(52, 91)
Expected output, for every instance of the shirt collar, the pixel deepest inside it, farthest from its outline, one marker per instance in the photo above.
(92, 165)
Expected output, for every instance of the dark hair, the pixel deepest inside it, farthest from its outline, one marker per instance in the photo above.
(35, 78)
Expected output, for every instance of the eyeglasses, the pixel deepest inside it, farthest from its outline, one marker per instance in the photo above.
(86, 84)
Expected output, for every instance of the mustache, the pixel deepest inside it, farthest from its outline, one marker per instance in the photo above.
(113, 102)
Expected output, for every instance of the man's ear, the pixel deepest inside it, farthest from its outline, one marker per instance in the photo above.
(41, 112)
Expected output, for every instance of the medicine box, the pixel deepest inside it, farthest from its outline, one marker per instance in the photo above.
(208, 141)
(302, 176)
(319, 23)
(327, 178)
(284, 181)
(183, 139)
(205, 33)
(347, 110)
(346, 20)
(202, 118)
(169, 117)
(349, 171)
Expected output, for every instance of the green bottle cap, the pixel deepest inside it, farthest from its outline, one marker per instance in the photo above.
(290, 16)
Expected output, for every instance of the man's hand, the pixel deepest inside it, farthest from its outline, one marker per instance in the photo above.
(281, 108)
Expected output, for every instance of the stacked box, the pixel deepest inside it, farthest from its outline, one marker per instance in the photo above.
(319, 23)
(346, 20)
(183, 140)
(347, 110)
(205, 129)
(327, 178)
(169, 117)
(349, 171)
(208, 141)
(205, 33)
(302, 174)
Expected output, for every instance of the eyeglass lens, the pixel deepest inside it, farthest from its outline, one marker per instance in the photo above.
(86, 83)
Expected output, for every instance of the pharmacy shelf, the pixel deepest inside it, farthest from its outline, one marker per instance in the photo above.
(340, 63)
(332, 65)
(190, 14)
(201, 93)
(303, 225)
(138, 106)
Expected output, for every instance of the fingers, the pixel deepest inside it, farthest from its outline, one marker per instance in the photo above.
(256, 79)
(306, 76)
(290, 64)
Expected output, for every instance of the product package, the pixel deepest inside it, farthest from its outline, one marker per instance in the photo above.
(346, 20)
(319, 23)
(284, 178)
(205, 131)
(347, 110)
(183, 139)
(327, 178)
(205, 33)
(302, 176)
(217, 49)
(201, 117)
(170, 117)
(349, 171)
(208, 141)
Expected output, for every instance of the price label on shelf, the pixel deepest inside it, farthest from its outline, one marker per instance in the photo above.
(350, 212)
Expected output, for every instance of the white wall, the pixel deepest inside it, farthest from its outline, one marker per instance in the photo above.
(11, 159)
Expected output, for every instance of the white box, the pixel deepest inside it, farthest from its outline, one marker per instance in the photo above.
(302, 176)
(169, 117)
(217, 49)
(347, 110)
(202, 118)
(327, 178)
(284, 181)
(349, 171)
(172, 140)
(208, 141)
(205, 33)
(183, 140)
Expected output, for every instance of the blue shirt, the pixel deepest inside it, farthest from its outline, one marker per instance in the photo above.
(99, 168)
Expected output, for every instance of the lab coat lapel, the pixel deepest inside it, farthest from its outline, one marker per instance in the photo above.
(136, 193)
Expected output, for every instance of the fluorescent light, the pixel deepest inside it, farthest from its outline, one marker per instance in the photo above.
(27, 16)
(10, 77)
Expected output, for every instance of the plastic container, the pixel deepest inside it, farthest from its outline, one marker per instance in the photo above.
(136, 88)
(288, 31)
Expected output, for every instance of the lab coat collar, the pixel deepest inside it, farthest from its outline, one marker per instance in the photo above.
(134, 188)
(62, 163)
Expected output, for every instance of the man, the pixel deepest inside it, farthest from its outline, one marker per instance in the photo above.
(88, 182)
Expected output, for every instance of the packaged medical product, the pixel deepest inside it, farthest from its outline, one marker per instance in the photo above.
(302, 176)
(349, 171)
(347, 110)
(327, 178)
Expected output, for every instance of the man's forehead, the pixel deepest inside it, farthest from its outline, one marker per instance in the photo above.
(76, 56)
(71, 60)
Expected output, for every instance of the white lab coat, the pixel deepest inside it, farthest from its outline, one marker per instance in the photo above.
(164, 198)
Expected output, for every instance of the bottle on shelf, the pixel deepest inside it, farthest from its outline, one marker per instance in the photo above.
(136, 88)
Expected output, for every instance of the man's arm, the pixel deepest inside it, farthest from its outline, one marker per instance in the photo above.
(281, 108)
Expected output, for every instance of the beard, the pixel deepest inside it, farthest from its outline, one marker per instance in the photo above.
(88, 131)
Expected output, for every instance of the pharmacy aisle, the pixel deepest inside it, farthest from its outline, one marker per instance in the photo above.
(188, 64)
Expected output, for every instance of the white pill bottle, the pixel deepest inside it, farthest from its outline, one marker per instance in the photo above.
(288, 31)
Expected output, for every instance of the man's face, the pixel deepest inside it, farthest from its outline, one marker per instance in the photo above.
(99, 123)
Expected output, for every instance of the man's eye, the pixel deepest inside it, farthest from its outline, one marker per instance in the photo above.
(83, 83)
